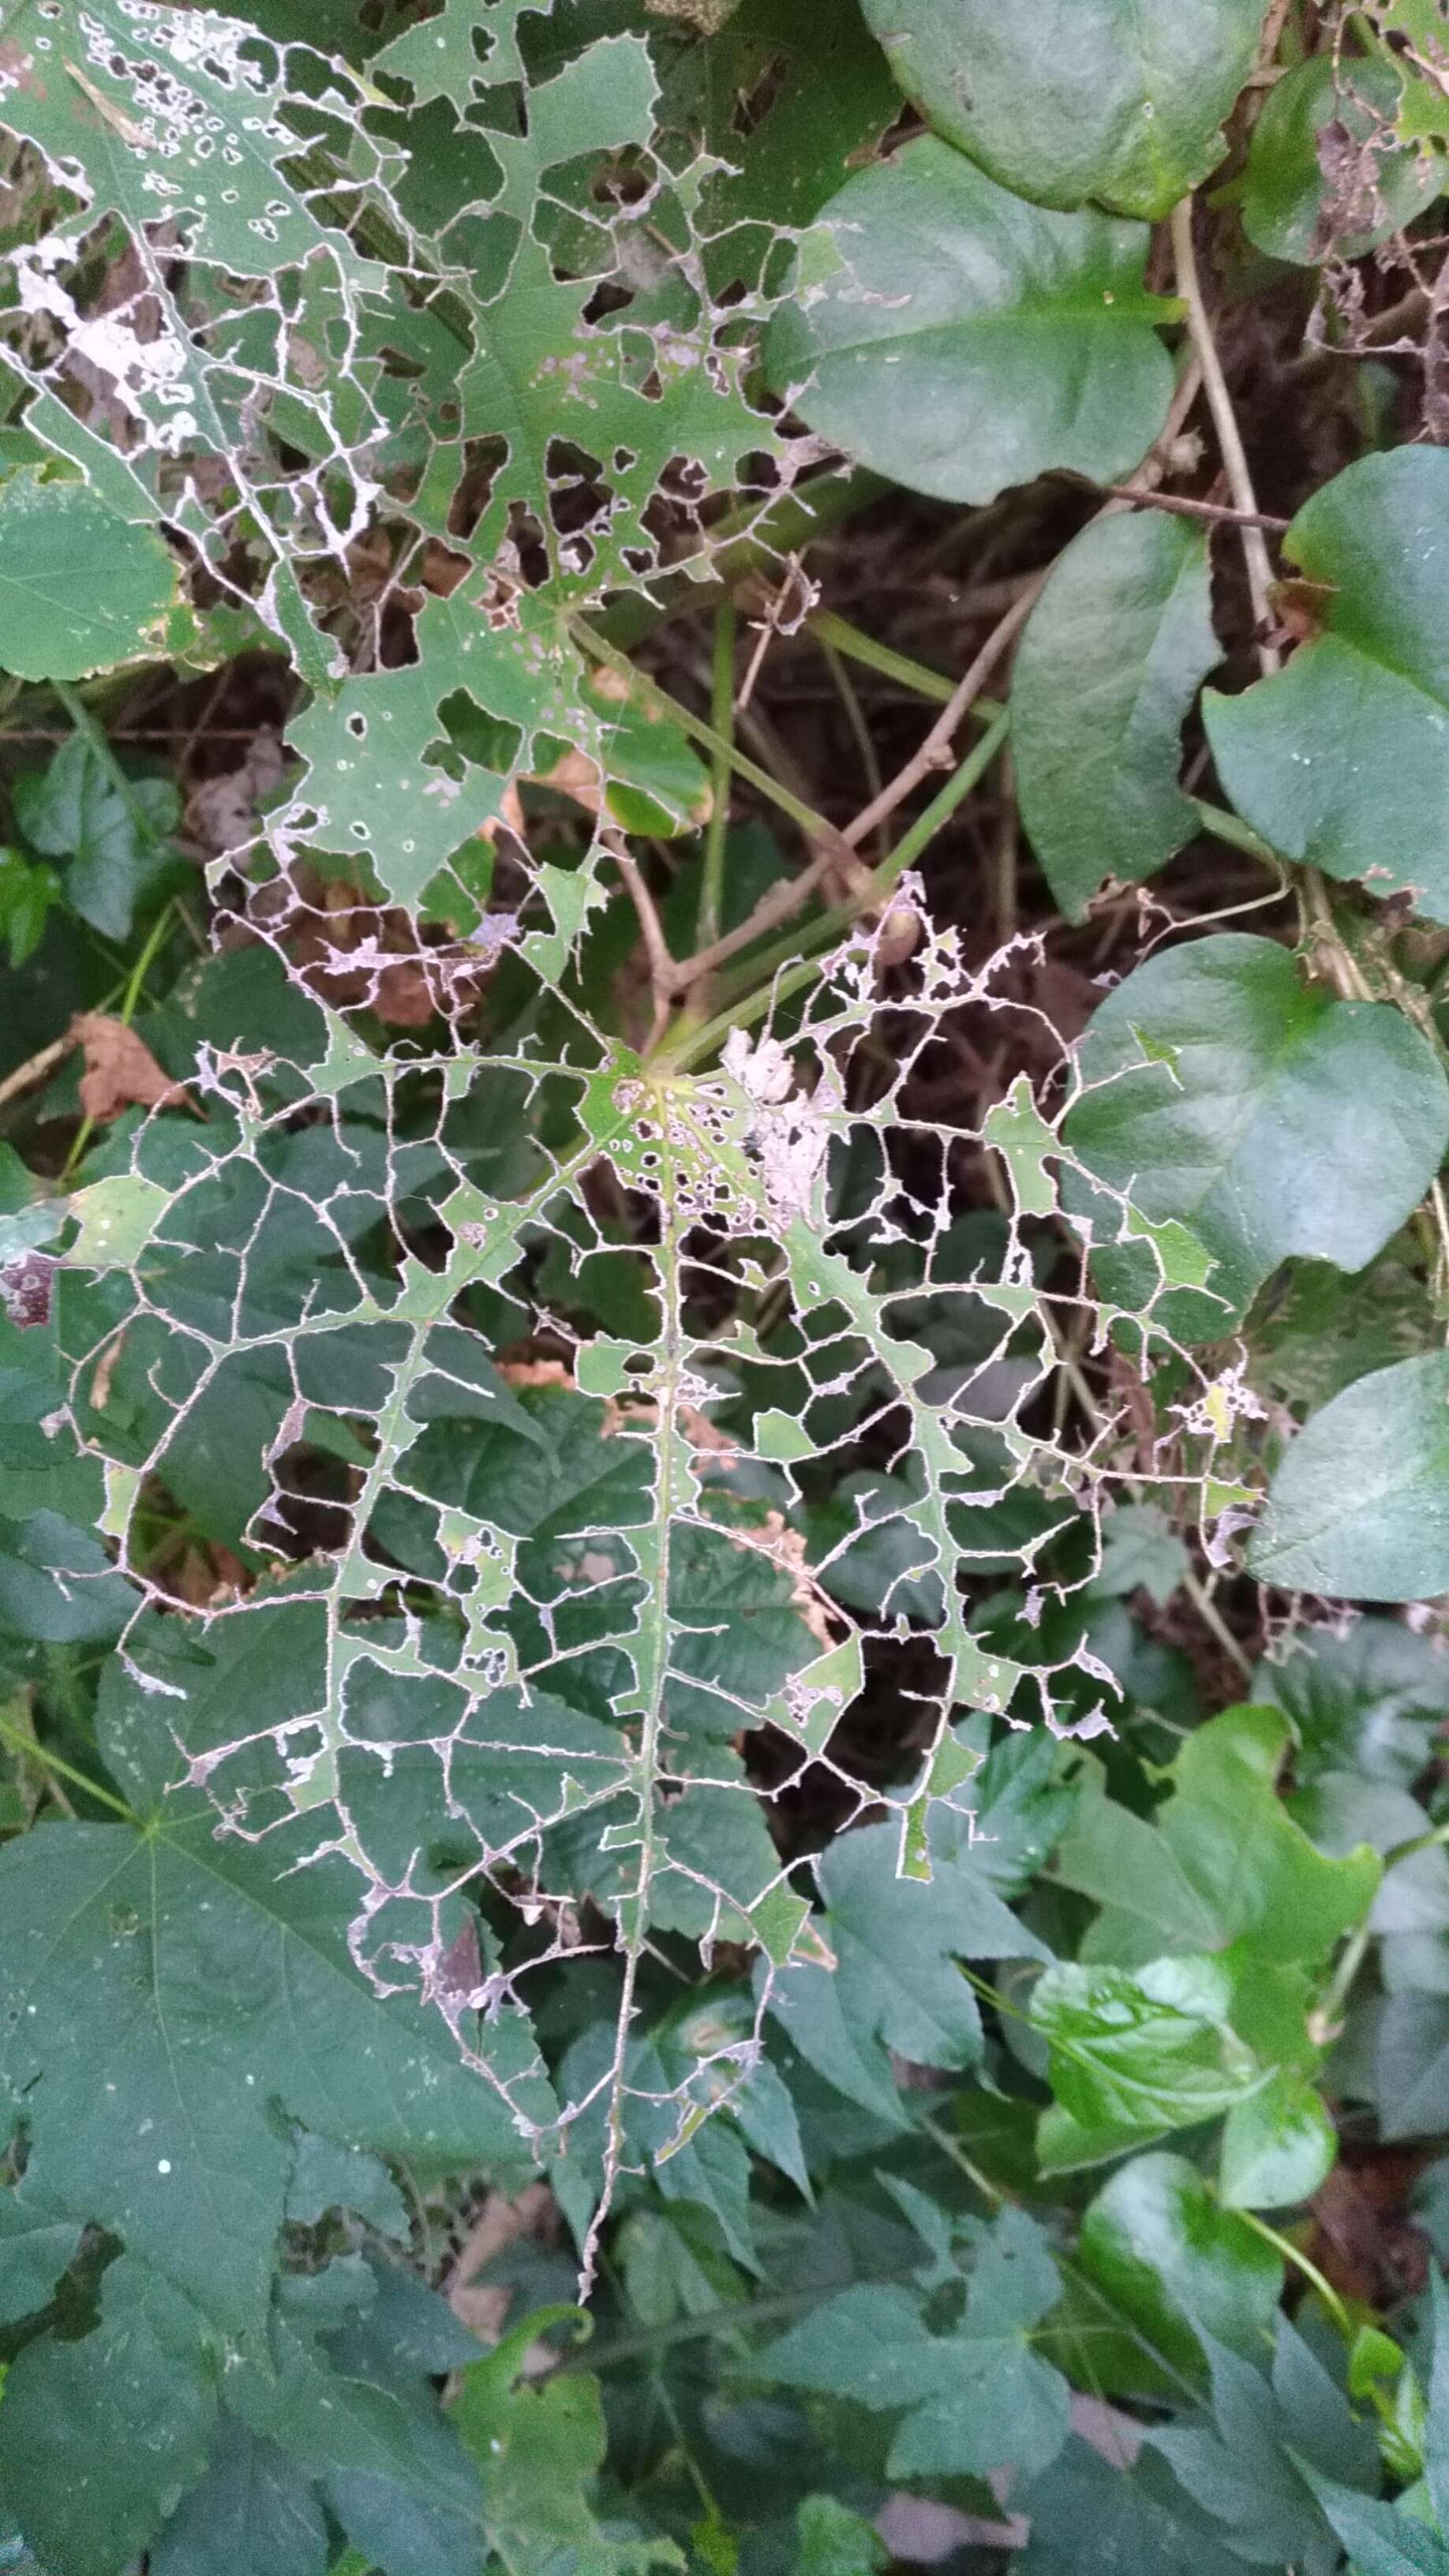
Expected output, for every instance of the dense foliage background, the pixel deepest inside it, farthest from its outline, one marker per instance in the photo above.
(723, 1286)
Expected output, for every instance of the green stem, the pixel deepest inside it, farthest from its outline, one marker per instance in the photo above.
(27, 1746)
(811, 823)
(99, 741)
(856, 646)
(1238, 836)
(1285, 2246)
(691, 1044)
(722, 717)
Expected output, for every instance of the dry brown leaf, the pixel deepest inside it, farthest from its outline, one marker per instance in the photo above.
(121, 1072)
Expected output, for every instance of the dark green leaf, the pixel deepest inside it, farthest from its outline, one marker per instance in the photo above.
(112, 835)
(960, 340)
(254, 2512)
(1365, 1700)
(1108, 666)
(1121, 100)
(1360, 1505)
(1269, 1117)
(102, 2436)
(1357, 725)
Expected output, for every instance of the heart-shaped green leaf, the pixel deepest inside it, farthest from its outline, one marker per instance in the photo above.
(1109, 664)
(1121, 100)
(1264, 1114)
(1342, 759)
(1360, 1505)
(959, 339)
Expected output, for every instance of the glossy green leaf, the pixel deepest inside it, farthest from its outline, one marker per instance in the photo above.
(1356, 727)
(1135, 2053)
(1108, 666)
(1291, 208)
(1268, 1116)
(80, 589)
(960, 340)
(1121, 100)
(1360, 1505)
(1169, 2259)
(1278, 2146)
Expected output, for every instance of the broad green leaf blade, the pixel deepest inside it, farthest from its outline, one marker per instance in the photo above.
(102, 2434)
(1121, 100)
(1108, 666)
(1356, 727)
(35, 2248)
(1290, 209)
(1135, 2053)
(1364, 1701)
(1278, 2146)
(1269, 1117)
(974, 2400)
(960, 340)
(1100, 2519)
(1411, 2064)
(1169, 2260)
(255, 2511)
(80, 589)
(1359, 1507)
(1380, 2541)
(163, 1992)
(540, 2450)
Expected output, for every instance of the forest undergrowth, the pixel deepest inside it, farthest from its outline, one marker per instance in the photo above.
(724, 1287)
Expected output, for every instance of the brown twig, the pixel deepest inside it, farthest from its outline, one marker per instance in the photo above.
(36, 1067)
(662, 968)
(1182, 508)
(1225, 422)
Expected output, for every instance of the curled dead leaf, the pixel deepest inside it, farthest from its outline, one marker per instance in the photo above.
(120, 1071)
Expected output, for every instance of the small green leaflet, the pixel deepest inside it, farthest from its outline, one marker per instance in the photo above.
(971, 2400)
